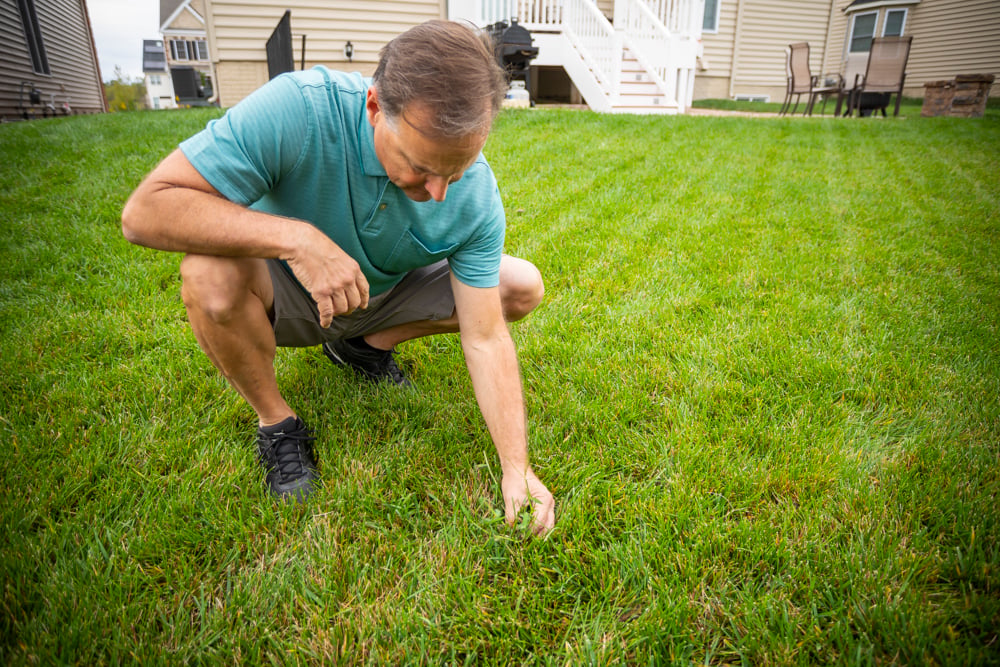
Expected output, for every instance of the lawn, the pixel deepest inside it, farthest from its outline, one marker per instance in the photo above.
(763, 387)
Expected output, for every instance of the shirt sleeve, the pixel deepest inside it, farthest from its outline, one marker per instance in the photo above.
(244, 154)
(477, 262)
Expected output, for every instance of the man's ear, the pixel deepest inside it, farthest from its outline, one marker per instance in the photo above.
(371, 105)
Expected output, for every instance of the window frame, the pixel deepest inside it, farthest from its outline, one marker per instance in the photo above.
(902, 24)
(852, 37)
(715, 27)
(33, 37)
(175, 47)
(201, 49)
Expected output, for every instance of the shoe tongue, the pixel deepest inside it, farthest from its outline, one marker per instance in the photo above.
(288, 424)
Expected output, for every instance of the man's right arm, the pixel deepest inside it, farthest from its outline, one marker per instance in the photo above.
(176, 209)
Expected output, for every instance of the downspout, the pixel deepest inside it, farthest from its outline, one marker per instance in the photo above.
(825, 69)
(736, 48)
(210, 34)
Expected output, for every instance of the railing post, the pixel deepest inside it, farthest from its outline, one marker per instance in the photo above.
(616, 67)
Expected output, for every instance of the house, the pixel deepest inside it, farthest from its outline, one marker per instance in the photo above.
(187, 52)
(639, 56)
(620, 55)
(49, 63)
(156, 76)
(744, 40)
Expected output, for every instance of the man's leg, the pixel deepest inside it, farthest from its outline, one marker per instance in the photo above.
(228, 301)
(521, 290)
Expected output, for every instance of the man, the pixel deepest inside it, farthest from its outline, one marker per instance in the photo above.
(329, 210)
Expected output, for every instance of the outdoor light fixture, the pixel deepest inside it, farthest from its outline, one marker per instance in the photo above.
(348, 50)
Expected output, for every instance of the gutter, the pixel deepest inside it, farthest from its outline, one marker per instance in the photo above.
(736, 48)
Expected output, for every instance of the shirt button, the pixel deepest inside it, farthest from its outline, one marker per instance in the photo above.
(381, 207)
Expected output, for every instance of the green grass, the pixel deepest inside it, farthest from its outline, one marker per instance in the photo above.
(909, 107)
(763, 387)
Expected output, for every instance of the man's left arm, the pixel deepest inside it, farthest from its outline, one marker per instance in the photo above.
(496, 380)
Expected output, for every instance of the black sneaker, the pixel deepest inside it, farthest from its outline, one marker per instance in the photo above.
(375, 365)
(285, 451)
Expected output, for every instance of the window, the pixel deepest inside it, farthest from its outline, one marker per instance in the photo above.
(33, 36)
(189, 50)
(710, 23)
(895, 20)
(862, 32)
(154, 79)
(178, 49)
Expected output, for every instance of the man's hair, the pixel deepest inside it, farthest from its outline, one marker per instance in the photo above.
(450, 68)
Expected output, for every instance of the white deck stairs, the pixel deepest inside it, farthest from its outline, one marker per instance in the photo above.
(641, 61)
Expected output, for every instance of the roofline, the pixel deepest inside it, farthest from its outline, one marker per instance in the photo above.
(859, 5)
(180, 8)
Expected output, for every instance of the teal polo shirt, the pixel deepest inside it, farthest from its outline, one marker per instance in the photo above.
(301, 147)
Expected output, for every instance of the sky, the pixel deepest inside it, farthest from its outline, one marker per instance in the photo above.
(119, 28)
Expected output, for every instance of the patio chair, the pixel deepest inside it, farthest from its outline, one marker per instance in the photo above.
(854, 71)
(885, 73)
(800, 81)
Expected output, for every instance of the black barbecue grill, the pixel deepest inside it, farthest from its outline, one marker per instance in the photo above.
(512, 44)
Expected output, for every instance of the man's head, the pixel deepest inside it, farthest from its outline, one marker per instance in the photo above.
(450, 69)
(436, 92)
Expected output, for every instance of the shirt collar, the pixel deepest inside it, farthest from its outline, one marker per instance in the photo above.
(366, 141)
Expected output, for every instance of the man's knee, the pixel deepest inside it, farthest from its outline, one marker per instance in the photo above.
(219, 286)
(521, 287)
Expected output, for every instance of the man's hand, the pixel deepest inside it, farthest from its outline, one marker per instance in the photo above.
(524, 489)
(332, 277)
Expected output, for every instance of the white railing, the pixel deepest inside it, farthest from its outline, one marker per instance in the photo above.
(596, 41)
(492, 11)
(649, 40)
(677, 16)
(539, 14)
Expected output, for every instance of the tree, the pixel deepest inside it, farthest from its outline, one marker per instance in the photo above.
(124, 94)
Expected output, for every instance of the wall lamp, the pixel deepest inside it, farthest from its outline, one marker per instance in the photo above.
(348, 51)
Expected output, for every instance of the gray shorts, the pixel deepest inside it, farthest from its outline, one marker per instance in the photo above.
(423, 294)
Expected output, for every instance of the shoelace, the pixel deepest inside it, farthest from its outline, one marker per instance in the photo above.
(389, 365)
(290, 452)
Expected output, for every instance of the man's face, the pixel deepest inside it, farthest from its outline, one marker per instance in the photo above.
(420, 166)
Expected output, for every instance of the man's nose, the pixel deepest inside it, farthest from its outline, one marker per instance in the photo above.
(437, 187)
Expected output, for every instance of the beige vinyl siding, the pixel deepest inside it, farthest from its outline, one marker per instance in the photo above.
(952, 37)
(747, 55)
(836, 48)
(69, 48)
(712, 80)
(186, 21)
(766, 28)
(238, 32)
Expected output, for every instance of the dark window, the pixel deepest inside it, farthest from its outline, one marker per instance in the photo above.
(178, 49)
(710, 23)
(862, 32)
(33, 35)
(894, 21)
